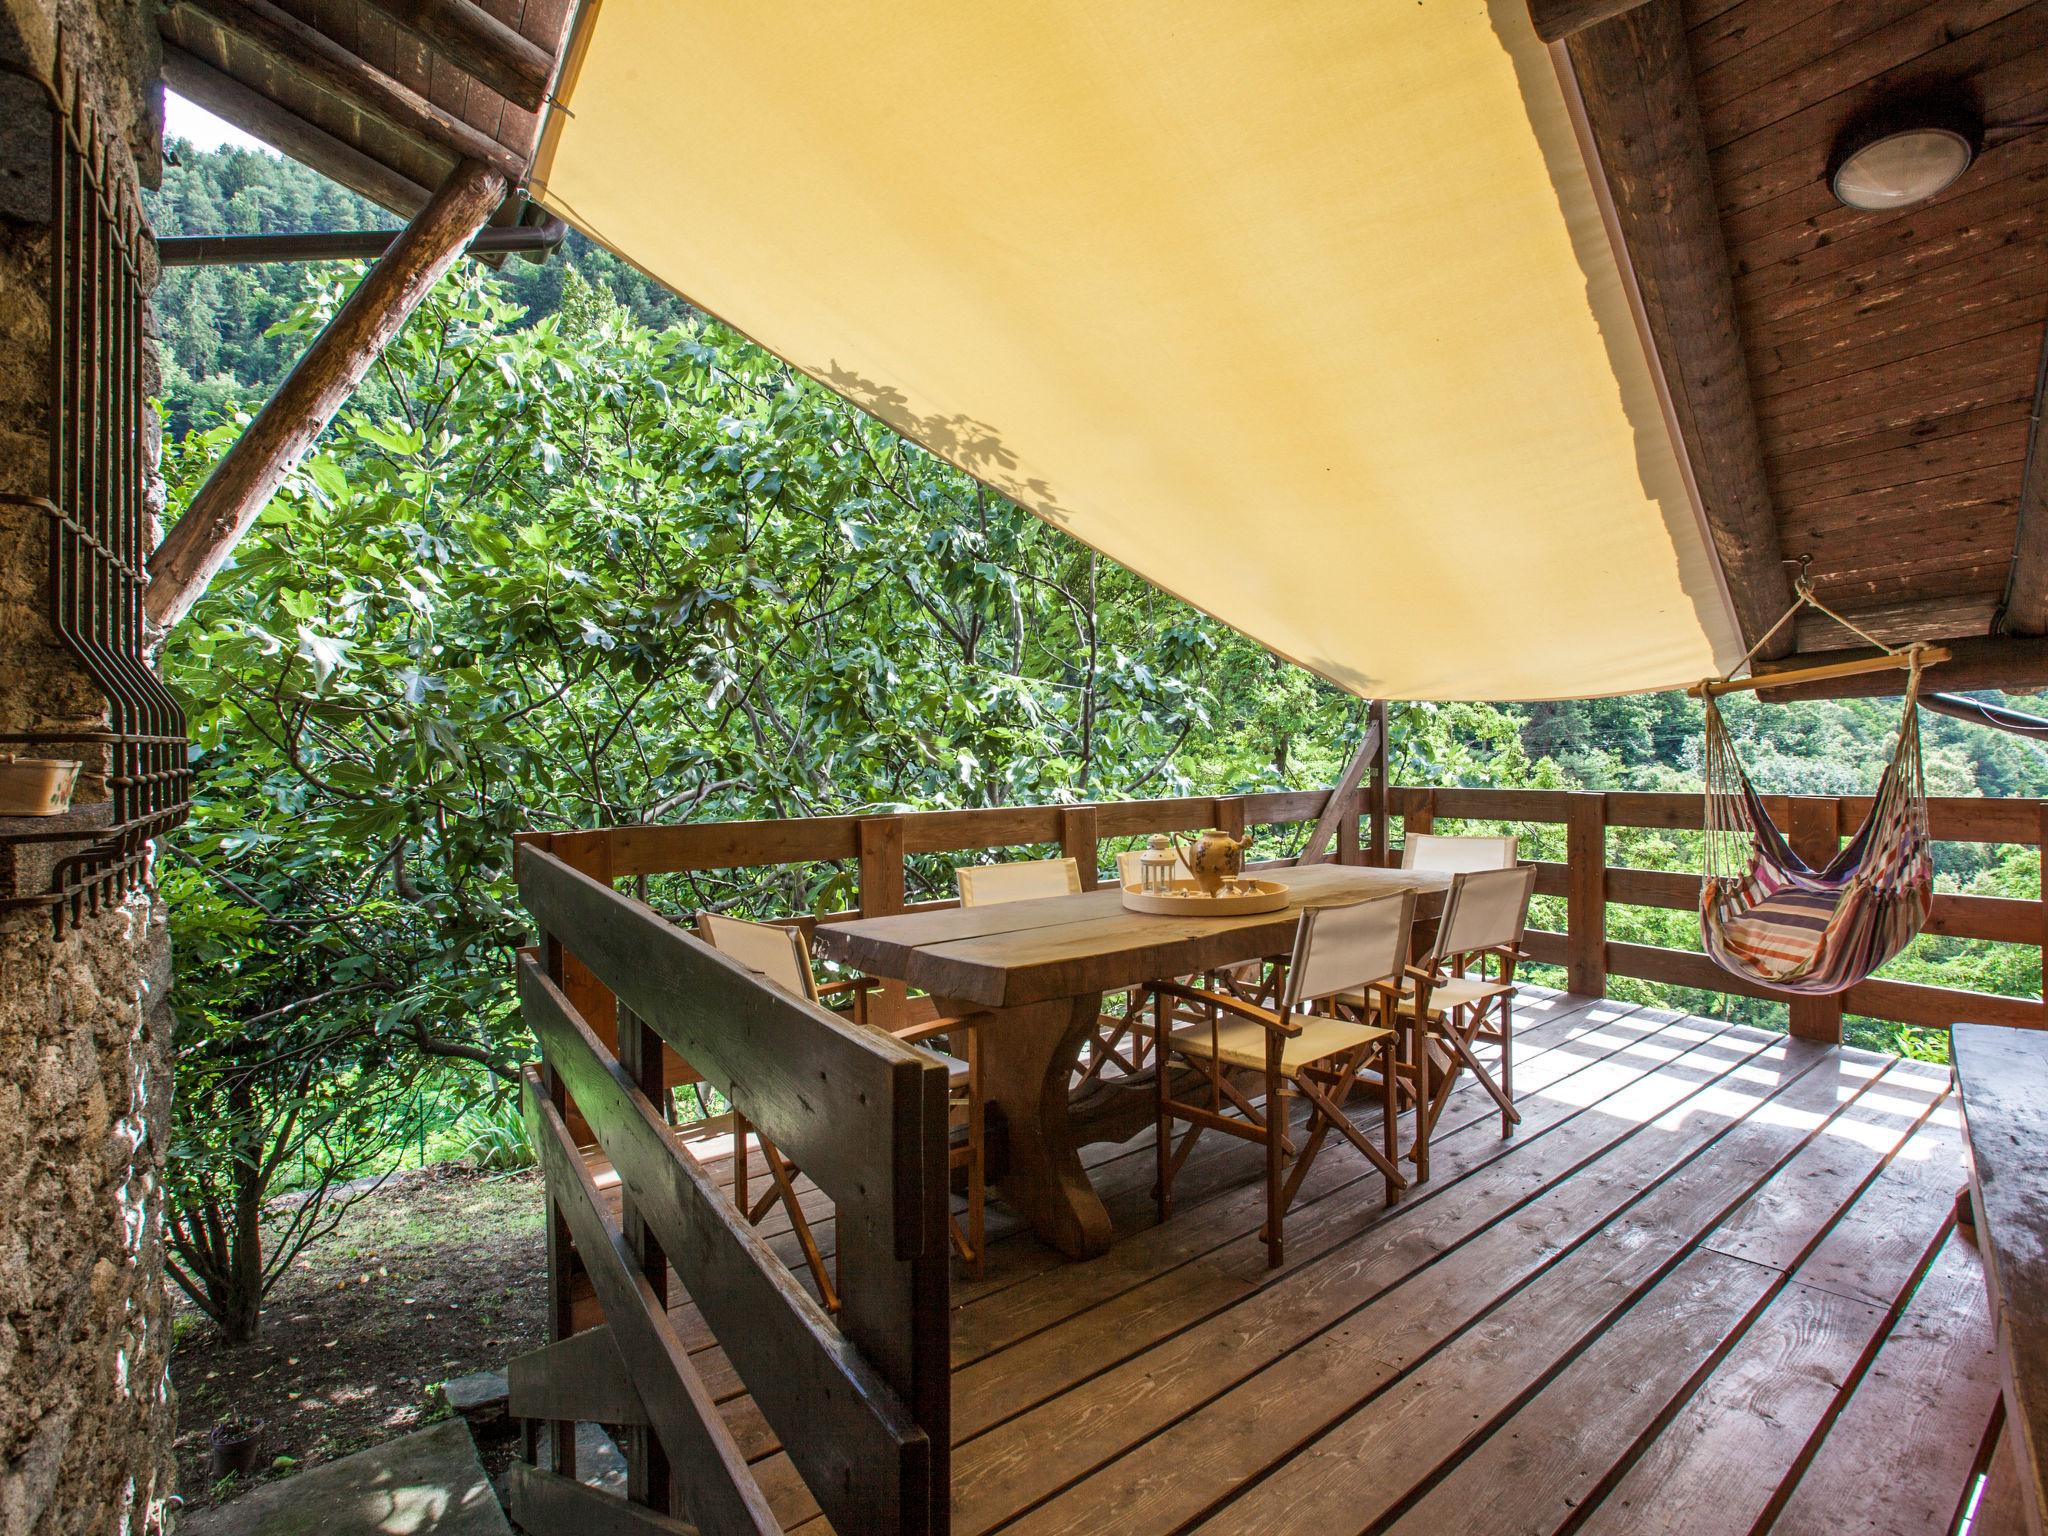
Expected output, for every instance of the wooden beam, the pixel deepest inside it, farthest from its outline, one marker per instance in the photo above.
(2025, 609)
(342, 245)
(1557, 20)
(479, 45)
(1915, 621)
(304, 50)
(1642, 123)
(1343, 798)
(2013, 663)
(325, 377)
(285, 131)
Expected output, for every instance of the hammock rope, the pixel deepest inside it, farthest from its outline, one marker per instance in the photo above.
(1767, 915)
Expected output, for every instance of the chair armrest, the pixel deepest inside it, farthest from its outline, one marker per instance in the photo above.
(1279, 1023)
(850, 984)
(914, 1033)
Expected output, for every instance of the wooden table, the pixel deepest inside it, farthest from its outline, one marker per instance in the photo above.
(1033, 974)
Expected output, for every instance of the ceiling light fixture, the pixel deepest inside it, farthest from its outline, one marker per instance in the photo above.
(1899, 163)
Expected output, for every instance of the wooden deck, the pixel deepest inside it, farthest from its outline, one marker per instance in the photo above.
(1711, 1285)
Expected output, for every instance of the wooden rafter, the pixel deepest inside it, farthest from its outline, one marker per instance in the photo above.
(1557, 20)
(245, 478)
(304, 50)
(2025, 609)
(286, 131)
(1642, 119)
(478, 44)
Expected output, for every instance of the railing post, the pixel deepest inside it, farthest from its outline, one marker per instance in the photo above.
(1586, 894)
(2041, 837)
(1421, 819)
(562, 1265)
(1376, 793)
(881, 893)
(1078, 841)
(1230, 814)
(1816, 836)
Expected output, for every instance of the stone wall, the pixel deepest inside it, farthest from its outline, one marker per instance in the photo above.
(85, 1407)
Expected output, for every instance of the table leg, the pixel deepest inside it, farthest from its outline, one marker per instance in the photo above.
(1027, 1061)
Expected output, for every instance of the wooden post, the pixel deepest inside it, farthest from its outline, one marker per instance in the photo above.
(1230, 814)
(648, 1479)
(881, 893)
(1423, 820)
(1342, 807)
(2042, 838)
(1586, 894)
(1382, 830)
(324, 379)
(1078, 841)
(1815, 833)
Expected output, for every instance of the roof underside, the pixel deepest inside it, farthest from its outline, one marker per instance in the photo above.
(385, 109)
(1894, 358)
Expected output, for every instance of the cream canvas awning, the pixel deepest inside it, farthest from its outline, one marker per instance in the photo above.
(1305, 312)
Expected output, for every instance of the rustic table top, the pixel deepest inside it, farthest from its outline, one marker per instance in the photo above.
(2002, 1074)
(1021, 952)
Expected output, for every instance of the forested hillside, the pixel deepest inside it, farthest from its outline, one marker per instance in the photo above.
(578, 556)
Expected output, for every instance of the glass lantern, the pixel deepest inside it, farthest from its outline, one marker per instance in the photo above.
(1156, 866)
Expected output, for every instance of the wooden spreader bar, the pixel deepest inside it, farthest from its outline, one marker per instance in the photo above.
(1919, 655)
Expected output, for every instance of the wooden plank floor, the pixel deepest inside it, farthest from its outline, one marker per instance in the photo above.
(1710, 1285)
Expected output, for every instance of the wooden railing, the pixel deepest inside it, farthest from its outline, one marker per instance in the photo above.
(877, 848)
(860, 1402)
(1815, 826)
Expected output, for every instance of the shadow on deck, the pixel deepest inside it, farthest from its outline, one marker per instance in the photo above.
(1711, 1284)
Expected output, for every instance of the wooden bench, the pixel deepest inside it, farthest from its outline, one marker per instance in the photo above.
(2002, 1081)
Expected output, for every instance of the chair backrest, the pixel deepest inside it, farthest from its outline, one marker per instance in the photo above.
(1341, 949)
(778, 953)
(983, 885)
(1128, 872)
(1455, 855)
(1486, 909)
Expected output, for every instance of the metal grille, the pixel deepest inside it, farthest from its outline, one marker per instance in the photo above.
(98, 521)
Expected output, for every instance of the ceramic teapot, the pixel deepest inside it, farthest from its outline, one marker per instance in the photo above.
(1213, 858)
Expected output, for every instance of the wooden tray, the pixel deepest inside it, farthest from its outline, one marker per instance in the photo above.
(1187, 900)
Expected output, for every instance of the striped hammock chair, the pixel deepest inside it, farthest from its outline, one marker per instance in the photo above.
(1765, 915)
